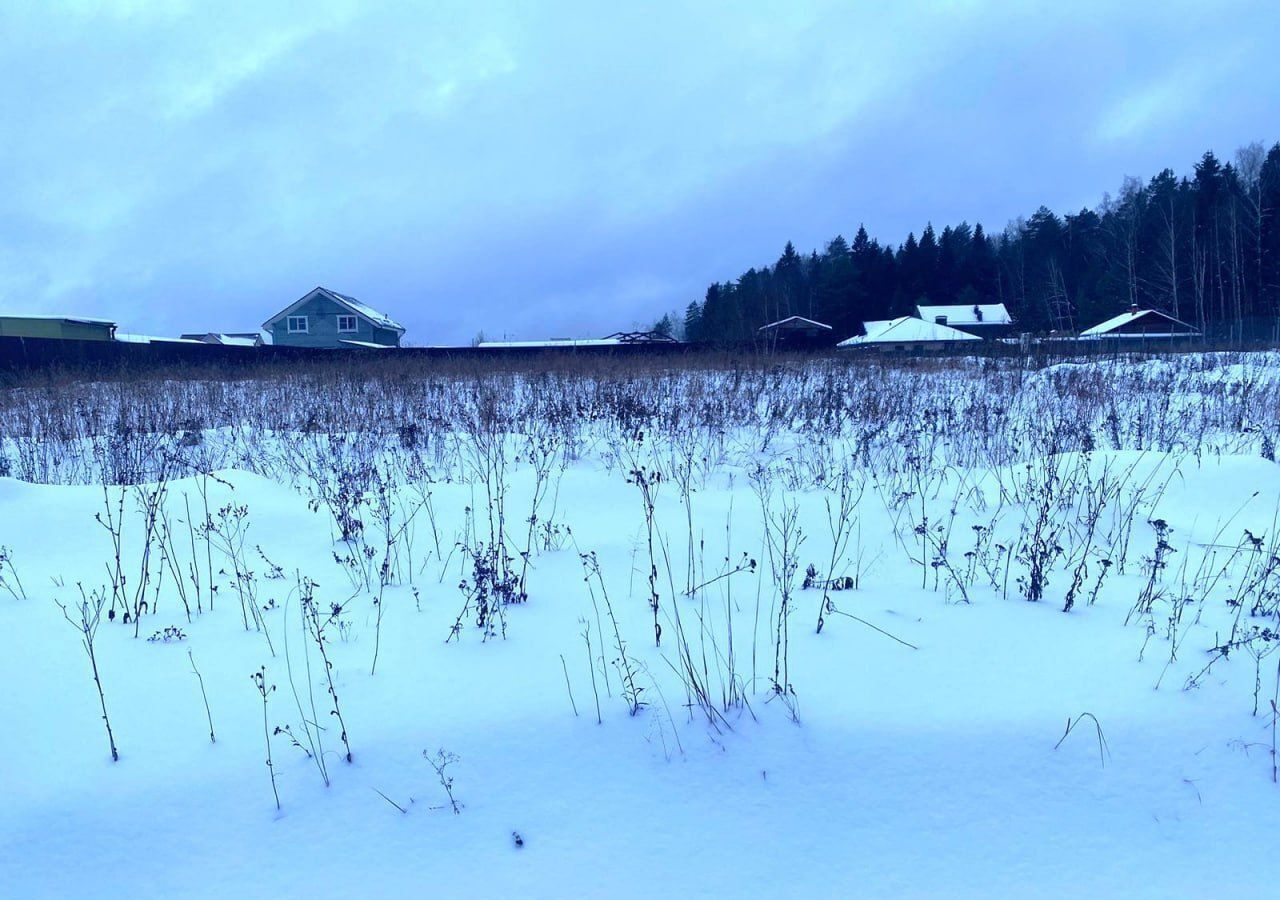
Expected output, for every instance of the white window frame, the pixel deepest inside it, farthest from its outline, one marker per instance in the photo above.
(355, 325)
(292, 321)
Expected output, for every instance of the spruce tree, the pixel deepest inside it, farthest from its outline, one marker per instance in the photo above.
(693, 322)
(1205, 248)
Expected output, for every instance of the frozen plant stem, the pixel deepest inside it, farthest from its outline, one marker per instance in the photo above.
(316, 629)
(569, 687)
(200, 678)
(377, 628)
(1103, 750)
(15, 589)
(308, 713)
(441, 762)
(647, 481)
(631, 691)
(88, 615)
(260, 682)
(591, 667)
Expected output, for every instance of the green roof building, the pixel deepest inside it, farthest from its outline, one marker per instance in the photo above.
(65, 328)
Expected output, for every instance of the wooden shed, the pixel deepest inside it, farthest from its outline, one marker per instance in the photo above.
(796, 332)
(1140, 324)
(64, 328)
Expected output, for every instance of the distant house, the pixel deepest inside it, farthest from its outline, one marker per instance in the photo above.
(326, 319)
(907, 334)
(1139, 324)
(227, 339)
(987, 320)
(795, 331)
(65, 328)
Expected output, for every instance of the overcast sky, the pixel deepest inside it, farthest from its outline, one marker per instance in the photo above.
(552, 168)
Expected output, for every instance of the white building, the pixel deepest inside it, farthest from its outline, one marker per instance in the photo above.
(909, 334)
(988, 320)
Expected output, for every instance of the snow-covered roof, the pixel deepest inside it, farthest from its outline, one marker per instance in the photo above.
(373, 315)
(877, 326)
(794, 320)
(381, 319)
(365, 345)
(976, 314)
(1105, 328)
(906, 330)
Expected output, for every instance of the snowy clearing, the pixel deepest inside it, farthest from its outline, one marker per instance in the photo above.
(799, 630)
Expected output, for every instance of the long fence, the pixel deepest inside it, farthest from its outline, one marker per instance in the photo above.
(24, 356)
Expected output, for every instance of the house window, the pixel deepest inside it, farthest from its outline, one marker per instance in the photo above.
(346, 323)
(297, 325)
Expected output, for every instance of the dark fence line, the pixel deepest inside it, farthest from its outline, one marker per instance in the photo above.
(23, 353)
(27, 356)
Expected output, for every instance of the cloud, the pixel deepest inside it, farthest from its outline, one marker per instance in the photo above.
(560, 168)
(1184, 88)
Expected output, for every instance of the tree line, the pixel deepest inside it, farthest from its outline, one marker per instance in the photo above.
(1203, 247)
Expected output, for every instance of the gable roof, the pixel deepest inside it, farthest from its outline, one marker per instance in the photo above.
(794, 320)
(1104, 329)
(976, 314)
(380, 319)
(906, 330)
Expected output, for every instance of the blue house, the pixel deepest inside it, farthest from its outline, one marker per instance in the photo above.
(326, 319)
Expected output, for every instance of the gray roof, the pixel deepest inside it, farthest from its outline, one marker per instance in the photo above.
(373, 315)
(381, 319)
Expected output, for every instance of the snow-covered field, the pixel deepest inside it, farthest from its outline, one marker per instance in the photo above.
(791, 630)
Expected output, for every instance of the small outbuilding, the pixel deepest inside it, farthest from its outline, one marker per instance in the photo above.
(795, 332)
(326, 319)
(1140, 324)
(907, 334)
(986, 320)
(61, 328)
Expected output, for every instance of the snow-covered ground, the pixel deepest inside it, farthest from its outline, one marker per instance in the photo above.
(914, 746)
